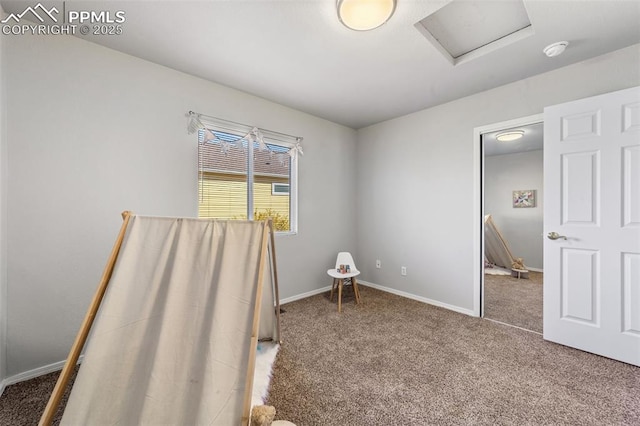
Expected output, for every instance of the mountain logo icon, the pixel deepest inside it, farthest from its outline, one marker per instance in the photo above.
(38, 11)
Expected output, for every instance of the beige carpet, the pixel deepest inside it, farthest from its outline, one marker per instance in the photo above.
(22, 404)
(394, 361)
(514, 301)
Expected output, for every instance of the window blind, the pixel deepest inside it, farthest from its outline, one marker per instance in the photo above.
(235, 179)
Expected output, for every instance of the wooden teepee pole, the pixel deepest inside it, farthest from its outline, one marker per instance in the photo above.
(81, 338)
(275, 277)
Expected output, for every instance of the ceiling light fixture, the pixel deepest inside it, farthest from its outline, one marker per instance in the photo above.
(555, 49)
(363, 15)
(509, 136)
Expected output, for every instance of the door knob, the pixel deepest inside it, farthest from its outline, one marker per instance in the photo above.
(555, 236)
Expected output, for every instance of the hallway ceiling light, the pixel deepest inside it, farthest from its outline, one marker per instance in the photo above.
(363, 15)
(509, 136)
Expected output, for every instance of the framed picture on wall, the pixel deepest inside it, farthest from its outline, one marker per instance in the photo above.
(524, 198)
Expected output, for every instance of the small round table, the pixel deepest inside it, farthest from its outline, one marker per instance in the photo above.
(519, 273)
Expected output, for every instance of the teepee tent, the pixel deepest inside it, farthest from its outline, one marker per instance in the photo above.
(496, 249)
(174, 342)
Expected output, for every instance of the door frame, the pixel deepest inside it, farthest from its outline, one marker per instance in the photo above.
(478, 202)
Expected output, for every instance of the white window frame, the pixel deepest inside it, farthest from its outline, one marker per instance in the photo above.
(273, 138)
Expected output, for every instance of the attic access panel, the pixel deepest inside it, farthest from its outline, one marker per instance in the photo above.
(465, 30)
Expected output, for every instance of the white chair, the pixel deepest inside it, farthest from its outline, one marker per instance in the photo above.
(344, 258)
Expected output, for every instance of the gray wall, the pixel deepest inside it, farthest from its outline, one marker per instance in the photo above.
(416, 177)
(3, 214)
(521, 227)
(92, 132)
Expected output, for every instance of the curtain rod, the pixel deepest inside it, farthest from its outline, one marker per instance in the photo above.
(246, 127)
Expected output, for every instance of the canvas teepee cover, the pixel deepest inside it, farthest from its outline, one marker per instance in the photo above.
(175, 338)
(496, 249)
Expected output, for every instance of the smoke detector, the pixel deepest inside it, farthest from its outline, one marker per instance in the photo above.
(555, 49)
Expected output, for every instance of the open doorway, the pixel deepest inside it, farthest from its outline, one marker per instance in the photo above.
(512, 199)
(509, 192)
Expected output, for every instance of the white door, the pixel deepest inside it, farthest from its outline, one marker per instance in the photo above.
(592, 197)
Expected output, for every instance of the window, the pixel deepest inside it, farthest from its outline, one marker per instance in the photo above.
(279, 189)
(240, 179)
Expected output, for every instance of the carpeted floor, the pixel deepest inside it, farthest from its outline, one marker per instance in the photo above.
(22, 404)
(514, 301)
(394, 361)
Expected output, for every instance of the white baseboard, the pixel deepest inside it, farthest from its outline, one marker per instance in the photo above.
(535, 269)
(305, 295)
(36, 372)
(418, 298)
(57, 366)
(385, 289)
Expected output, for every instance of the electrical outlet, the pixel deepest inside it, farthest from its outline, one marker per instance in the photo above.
(403, 271)
(378, 264)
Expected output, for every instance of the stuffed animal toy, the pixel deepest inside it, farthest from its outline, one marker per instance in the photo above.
(262, 415)
(518, 264)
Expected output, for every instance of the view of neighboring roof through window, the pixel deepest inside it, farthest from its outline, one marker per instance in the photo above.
(230, 186)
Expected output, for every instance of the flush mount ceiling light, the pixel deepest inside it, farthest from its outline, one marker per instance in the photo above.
(555, 49)
(509, 136)
(363, 15)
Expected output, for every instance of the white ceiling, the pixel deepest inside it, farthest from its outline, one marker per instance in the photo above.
(298, 54)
